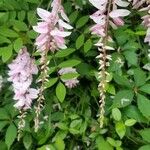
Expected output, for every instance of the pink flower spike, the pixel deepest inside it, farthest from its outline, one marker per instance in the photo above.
(20, 74)
(52, 28)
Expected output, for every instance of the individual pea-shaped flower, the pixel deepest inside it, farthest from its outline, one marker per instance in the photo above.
(70, 83)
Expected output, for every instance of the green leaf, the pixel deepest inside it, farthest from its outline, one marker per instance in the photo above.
(60, 92)
(62, 126)
(10, 136)
(145, 134)
(12, 16)
(68, 76)
(46, 147)
(139, 77)
(140, 33)
(6, 53)
(4, 40)
(74, 131)
(73, 16)
(3, 145)
(68, 7)
(19, 25)
(14, 4)
(21, 15)
(32, 34)
(111, 89)
(87, 45)
(80, 41)
(120, 129)
(51, 70)
(122, 80)
(59, 144)
(145, 147)
(76, 123)
(79, 3)
(4, 18)
(133, 112)
(101, 144)
(131, 57)
(4, 114)
(24, 5)
(69, 63)
(33, 1)
(8, 32)
(51, 82)
(123, 98)
(27, 140)
(82, 21)
(130, 46)
(145, 88)
(2, 14)
(18, 43)
(32, 19)
(114, 143)
(116, 114)
(121, 36)
(84, 69)
(3, 124)
(65, 52)
(130, 122)
(144, 105)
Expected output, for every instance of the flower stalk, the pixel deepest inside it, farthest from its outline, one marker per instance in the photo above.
(51, 29)
(103, 65)
(107, 15)
(43, 79)
(21, 123)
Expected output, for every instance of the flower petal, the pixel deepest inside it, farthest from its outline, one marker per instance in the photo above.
(64, 16)
(57, 32)
(44, 14)
(121, 3)
(40, 29)
(98, 3)
(64, 24)
(119, 13)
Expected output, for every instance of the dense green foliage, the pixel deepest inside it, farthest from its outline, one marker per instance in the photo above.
(69, 119)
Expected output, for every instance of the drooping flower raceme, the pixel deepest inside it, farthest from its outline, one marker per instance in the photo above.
(70, 83)
(51, 28)
(52, 32)
(108, 14)
(115, 15)
(20, 74)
